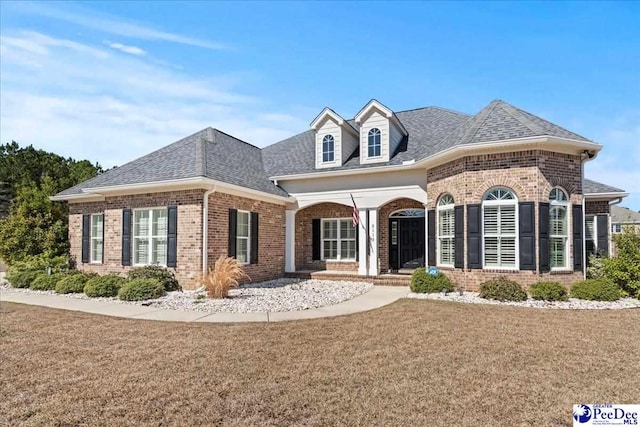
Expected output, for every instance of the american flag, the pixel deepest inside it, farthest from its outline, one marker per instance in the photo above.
(356, 218)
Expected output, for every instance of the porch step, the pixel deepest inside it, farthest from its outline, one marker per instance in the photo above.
(381, 280)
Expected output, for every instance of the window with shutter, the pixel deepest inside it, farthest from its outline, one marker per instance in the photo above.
(500, 229)
(150, 228)
(243, 231)
(97, 237)
(558, 229)
(338, 239)
(446, 231)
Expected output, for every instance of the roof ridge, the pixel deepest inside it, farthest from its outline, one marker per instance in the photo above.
(492, 106)
(237, 139)
(448, 110)
(516, 114)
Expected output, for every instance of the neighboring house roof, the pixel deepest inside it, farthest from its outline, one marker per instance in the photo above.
(208, 153)
(594, 187)
(624, 215)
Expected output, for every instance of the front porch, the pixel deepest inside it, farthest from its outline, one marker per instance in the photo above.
(385, 279)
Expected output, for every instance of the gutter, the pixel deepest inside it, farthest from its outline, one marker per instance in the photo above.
(205, 228)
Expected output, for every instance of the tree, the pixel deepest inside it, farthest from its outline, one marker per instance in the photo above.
(35, 225)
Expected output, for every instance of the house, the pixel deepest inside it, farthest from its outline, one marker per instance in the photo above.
(501, 192)
(621, 219)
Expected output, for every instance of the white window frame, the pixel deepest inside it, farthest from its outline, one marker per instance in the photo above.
(369, 145)
(339, 239)
(509, 202)
(333, 152)
(444, 206)
(149, 236)
(594, 237)
(96, 238)
(247, 237)
(562, 204)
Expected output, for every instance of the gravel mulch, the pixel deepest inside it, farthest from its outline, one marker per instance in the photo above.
(572, 304)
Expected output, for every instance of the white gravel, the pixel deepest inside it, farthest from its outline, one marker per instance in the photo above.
(272, 296)
(572, 304)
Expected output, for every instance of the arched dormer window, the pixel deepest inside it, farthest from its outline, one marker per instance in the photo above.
(446, 231)
(328, 149)
(559, 228)
(500, 228)
(374, 143)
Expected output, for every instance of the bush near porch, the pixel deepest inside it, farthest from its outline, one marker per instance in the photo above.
(624, 268)
(423, 282)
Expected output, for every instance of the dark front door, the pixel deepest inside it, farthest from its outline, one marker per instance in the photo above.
(409, 249)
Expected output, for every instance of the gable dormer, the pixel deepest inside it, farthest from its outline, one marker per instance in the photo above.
(380, 132)
(336, 139)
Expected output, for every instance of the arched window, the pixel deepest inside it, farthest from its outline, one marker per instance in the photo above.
(559, 228)
(446, 231)
(500, 229)
(374, 142)
(328, 149)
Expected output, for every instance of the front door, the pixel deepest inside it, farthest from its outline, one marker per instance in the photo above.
(406, 248)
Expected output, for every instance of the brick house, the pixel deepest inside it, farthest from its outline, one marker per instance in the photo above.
(501, 192)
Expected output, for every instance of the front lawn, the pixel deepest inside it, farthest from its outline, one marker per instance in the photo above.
(415, 362)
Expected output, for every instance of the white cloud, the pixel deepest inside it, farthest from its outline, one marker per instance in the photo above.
(86, 102)
(133, 50)
(83, 17)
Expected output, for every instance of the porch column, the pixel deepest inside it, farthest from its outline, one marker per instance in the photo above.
(373, 242)
(362, 242)
(290, 241)
(426, 235)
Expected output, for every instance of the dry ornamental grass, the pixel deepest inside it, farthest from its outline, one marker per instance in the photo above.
(224, 276)
(412, 363)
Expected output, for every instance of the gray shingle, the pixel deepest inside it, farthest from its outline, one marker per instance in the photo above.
(594, 187)
(620, 214)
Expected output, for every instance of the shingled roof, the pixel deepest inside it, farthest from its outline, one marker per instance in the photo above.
(594, 187)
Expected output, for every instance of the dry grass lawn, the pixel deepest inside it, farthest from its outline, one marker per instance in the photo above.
(411, 363)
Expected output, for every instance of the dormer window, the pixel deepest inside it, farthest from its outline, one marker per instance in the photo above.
(374, 142)
(328, 149)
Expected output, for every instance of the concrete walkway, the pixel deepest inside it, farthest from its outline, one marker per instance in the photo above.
(377, 297)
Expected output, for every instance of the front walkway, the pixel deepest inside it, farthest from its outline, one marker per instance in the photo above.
(377, 297)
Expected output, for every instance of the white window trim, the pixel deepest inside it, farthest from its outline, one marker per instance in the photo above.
(150, 236)
(248, 238)
(512, 202)
(379, 156)
(594, 237)
(328, 162)
(566, 205)
(92, 238)
(439, 210)
(338, 240)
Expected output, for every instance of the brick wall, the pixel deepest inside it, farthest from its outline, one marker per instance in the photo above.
(304, 237)
(593, 207)
(189, 242)
(271, 238)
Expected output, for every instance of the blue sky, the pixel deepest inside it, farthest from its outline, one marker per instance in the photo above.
(110, 81)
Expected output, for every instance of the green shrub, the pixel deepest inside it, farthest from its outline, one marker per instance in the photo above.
(596, 290)
(624, 268)
(502, 289)
(73, 283)
(140, 290)
(104, 286)
(162, 275)
(41, 263)
(21, 279)
(548, 291)
(425, 283)
(45, 282)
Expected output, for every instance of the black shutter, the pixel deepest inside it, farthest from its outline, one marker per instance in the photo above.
(543, 237)
(578, 263)
(459, 236)
(474, 236)
(527, 229)
(86, 237)
(172, 237)
(233, 230)
(254, 238)
(431, 237)
(126, 236)
(603, 234)
(315, 239)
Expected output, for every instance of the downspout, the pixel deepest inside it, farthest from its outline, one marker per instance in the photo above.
(584, 227)
(205, 227)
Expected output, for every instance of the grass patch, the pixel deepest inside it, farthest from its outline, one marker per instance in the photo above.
(415, 363)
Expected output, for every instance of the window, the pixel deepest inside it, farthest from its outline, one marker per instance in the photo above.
(328, 149)
(559, 228)
(616, 228)
(500, 231)
(150, 236)
(242, 237)
(446, 231)
(338, 240)
(97, 237)
(374, 142)
(591, 228)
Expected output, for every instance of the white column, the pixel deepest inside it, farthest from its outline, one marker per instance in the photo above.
(290, 241)
(373, 242)
(426, 236)
(362, 242)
